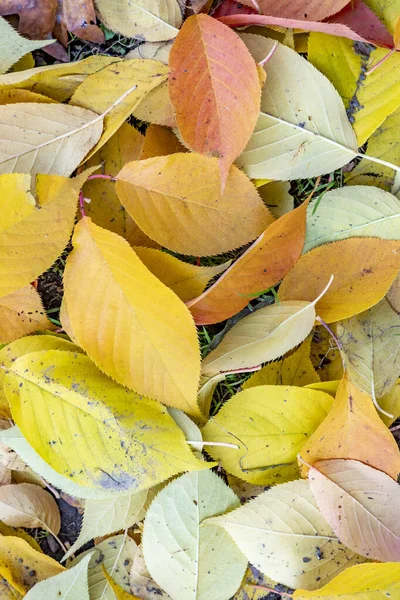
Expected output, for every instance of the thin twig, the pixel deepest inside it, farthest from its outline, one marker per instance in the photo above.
(109, 177)
(329, 330)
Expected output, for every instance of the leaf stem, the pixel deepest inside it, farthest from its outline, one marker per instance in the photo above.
(224, 444)
(372, 69)
(269, 589)
(82, 204)
(379, 161)
(329, 330)
(100, 176)
(269, 55)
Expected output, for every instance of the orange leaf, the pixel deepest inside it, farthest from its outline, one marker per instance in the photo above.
(262, 266)
(353, 430)
(21, 313)
(214, 88)
(363, 269)
(160, 141)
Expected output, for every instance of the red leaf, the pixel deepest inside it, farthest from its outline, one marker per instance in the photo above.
(310, 10)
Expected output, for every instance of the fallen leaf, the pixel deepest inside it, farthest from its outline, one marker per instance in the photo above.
(193, 217)
(262, 266)
(120, 593)
(141, 581)
(285, 522)
(13, 46)
(110, 91)
(370, 580)
(361, 504)
(153, 50)
(21, 313)
(363, 269)
(261, 336)
(186, 280)
(393, 295)
(159, 141)
(387, 13)
(22, 566)
(269, 424)
(27, 505)
(186, 561)
(102, 517)
(78, 17)
(34, 232)
(325, 355)
(357, 211)
(68, 584)
(46, 138)
(35, 21)
(150, 20)
(295, 369)
(299, 9)
(14, 96)
(216, 118)
(370, 348)
(25, 345)
(158, 324)
(357, 16)
(351, 430)
(64, 381)
(156, 107)
(277, 197)
(313, 140)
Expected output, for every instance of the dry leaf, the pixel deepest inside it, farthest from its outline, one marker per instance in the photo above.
(262, 266)
(363, 269)
(313, 10)
(139, 308)
(177, 201)
(325, 355)
(78, 17)
(21, 313)
(159, 141)
(361, 504)
(351, 430)
(13, 46)
(217, 117)
(27, 505)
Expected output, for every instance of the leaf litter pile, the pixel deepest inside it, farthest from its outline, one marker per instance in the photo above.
(200, 300)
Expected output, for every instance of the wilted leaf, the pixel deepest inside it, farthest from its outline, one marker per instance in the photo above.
(353, 430)
(283, 534)
(22, 566)
(64, 586)
(13, 46)
(119, 300)
(177, 201)
(102, 91)
(369, 581)
(361, 504)
(295, 369)
(151, 20)
(261, 336)
(21, 313)
(186, 280)
(159, 141)
(370, 347)
(186, 559)
(269, 424)
(357, 211)
(102, 517)
(46, 138)
(27, 505)
(299, 9)
(134, 458)
(262, 266)
(316, 138)
(363, 269)
(217, 117)
(33, 235)
(25, 345)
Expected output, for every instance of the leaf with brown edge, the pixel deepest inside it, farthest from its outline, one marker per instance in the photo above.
(21, 313)
(361, 504)
(363, 270)
(177, 201)
(214, 88)
(131, 325)
(262, 266)
(27, 505)
(353, 430)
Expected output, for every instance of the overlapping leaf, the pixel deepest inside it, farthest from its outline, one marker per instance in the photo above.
(21, 313)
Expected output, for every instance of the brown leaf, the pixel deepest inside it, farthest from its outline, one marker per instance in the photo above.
(36, 18)
(27, 505)
(78, 17)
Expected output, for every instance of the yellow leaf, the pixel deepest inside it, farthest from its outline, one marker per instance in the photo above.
(363, 269)
(28, 505)
(330, 387)
(155, 21)
(350, 431)
(325, 356)
(21, 313)
(12, 96)
(102, 89)
(22, 566)
(33, 236)
(269, 424)
(46, 138)
(186, 280)
(277, 197)
(120, 593)
(294, 369)
(56, 81)
(25, 345)
(169, 200)
(133, 327)
(390, 403)
(369, 582)
(143, 445)
(155, 50)
(14, 46)
(160, 141)
(387, 12)
(393, 295)
(21, 533)
(105, 208)
(156, 107)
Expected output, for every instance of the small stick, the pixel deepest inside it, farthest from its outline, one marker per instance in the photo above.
(109, 177)
(395, 428)
(329, 330)
(82, 204)
(256, 6)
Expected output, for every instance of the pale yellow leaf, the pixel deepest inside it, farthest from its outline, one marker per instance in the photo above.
(13, 46)
(155, 50)
(21, 313)
(133, 326)
(141, 581)
(68, 585)
(156, 107)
